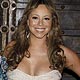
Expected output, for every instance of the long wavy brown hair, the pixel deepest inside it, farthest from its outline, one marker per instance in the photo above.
(20, 42)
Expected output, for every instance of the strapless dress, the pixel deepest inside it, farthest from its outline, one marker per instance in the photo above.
(20, 75)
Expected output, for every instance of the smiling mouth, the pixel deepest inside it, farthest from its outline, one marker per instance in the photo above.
(40, 29)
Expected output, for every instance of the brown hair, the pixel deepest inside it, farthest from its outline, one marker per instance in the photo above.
(22, 42)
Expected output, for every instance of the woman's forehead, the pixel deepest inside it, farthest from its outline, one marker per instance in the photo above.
(41, 9)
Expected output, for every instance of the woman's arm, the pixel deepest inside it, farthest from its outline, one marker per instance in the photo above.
(72, 60)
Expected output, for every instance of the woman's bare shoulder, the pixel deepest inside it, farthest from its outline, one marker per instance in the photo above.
(69, 53)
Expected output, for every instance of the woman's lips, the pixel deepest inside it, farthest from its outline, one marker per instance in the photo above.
(40, 29)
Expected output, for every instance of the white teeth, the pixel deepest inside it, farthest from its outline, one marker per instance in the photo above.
(40, 29)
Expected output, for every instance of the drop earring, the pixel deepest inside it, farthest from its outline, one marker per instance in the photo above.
(28, 35)
(47, 35)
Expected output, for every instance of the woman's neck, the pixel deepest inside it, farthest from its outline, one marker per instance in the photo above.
(37, 43)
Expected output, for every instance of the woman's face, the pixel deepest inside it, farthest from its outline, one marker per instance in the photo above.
(39, 21)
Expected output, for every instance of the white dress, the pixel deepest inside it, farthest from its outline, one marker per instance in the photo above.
(20, 75)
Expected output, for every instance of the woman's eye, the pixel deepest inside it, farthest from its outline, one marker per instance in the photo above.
(34, 17)
(47, 18)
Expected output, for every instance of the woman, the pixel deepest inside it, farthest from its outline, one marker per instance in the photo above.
(36, 51)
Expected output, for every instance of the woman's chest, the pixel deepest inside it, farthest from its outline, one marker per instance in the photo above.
(34, 65)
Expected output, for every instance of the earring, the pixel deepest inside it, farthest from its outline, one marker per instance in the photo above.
(28, 35)
(47, 35)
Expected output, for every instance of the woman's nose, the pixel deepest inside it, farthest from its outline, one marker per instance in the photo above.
(40, 22)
